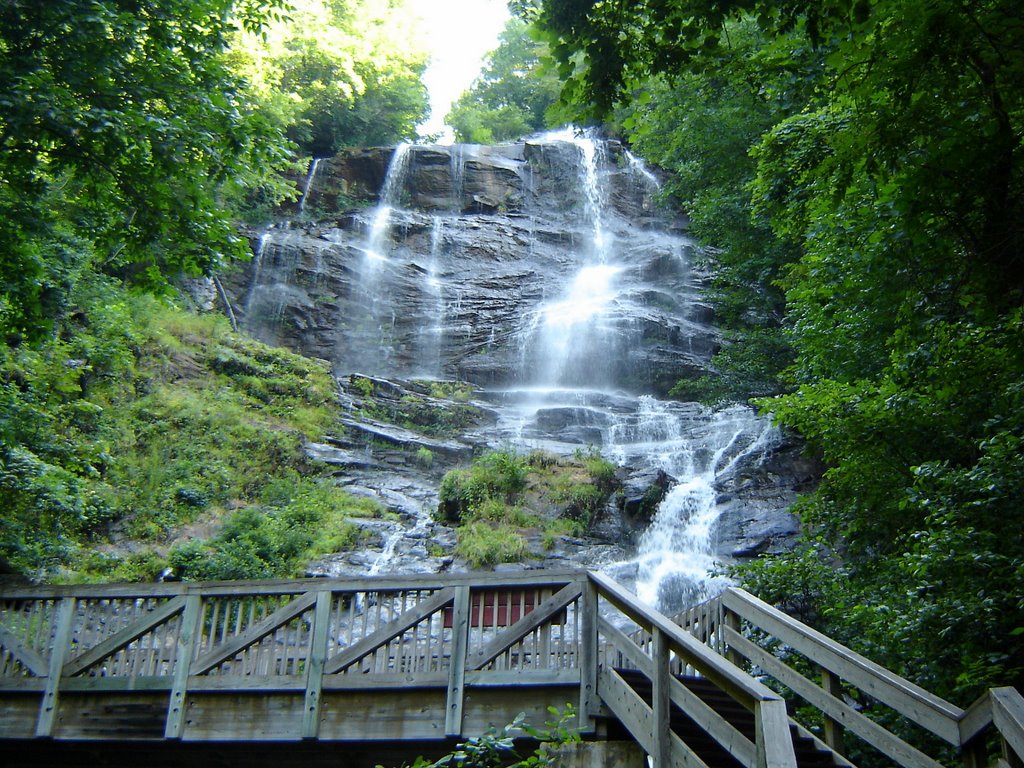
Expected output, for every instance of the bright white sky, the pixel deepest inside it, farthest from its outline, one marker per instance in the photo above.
(460, 33)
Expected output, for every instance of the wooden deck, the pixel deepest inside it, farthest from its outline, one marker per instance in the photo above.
(391, 668)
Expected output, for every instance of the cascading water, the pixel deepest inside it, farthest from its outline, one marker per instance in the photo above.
(540, 272)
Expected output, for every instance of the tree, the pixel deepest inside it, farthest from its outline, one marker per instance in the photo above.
(339, 73)
(895, 183)
(121, 128)
(512, 95)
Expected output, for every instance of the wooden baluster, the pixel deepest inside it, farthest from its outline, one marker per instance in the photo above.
(833, 735)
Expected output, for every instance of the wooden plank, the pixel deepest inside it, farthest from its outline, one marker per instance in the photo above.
(721, 730)
(588, 702)
(315, 665)
(254, 634)
(627, 706)
(660, 700)
(774, 740)
(124, 637)
(386, 682)
(389, 631)
(833, 686)
(123, 684)
(874, 734)
(61, 643)
(1008, 717)
(22, 684)
(526, 625)
(525, 678)
(188, 632)
(725, 675)
(976, 719)
(246, 684)
(457, 668)
(929, 711)
(552, 578)
(636, 716)
(31, 660)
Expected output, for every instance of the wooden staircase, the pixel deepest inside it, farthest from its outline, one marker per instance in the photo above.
(809, 751)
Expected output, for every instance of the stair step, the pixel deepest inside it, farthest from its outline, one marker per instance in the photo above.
(808, 755)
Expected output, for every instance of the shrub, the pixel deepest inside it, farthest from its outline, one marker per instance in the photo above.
(481, 544)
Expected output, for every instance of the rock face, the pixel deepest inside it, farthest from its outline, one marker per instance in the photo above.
(463, 275)
(542, 274)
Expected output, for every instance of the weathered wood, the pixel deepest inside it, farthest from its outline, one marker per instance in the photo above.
(315, 665)
(588, 702)
(526, 625)
(121, 684)
(929, 711)
(31, 660)
(188, 631)
(716, 726)
(389, 631)
(774, 742)
(61, 643)
(254, 634)
(721, 672)
(553, 578)
(976, 718)
(661, 720)
(124, 637)
(457, 668)
(1008, 718)
(833, 686)
(867, 729)
(636, 716)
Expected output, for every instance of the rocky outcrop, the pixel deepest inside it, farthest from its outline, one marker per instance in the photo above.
(542, 274)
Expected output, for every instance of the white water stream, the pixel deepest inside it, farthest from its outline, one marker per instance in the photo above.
(582, 326)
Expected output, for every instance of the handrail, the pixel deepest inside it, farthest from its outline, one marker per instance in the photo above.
(910, 700)
(773, 746)
(719, 624)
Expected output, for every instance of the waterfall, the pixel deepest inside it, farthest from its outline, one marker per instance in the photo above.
(314, 166)
(565, 296)
(390, 196)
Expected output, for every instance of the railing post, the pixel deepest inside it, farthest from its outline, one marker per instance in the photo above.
(660, 702)
(457, 668)
(588, 656)
(315, 664)
(833, 729)
(183, 652)
(774, 740)
(61, 645)
(732, 621)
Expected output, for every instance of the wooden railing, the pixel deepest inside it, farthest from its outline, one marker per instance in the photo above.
(375, 659)
(770, 644)
(436, 657)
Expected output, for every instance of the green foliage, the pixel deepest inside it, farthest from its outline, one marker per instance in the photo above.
(497, 475)
(481, 543)
(301, 519)
(497, 747)
(122, 130)
(142, 417)
(860, 166)
(512, 95)
(338, 73)
(503, 493)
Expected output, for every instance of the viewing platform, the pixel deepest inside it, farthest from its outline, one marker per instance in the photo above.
(378, 671)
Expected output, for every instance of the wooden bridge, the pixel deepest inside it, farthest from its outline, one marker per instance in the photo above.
(377, 671)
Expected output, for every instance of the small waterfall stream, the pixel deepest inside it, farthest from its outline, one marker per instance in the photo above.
(539, 272)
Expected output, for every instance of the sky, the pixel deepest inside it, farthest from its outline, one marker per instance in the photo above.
(460, 33)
